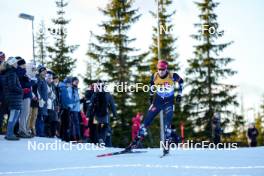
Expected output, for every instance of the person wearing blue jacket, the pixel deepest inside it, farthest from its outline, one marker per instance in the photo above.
(64, 101)
(75, 109)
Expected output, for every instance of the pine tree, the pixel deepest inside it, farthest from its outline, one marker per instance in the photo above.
(238, 134)
(113, 52)
(240, 130)
(207, 72)
(92, 72)
(62, 63)
(41, 40)
(87, 78)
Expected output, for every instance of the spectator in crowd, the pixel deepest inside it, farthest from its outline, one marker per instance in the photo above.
(136, 122)
(34, 105)
(3, 106)
(252, 135)
(74, 110)
(56, 82)
(101, 102)
(43, 98)
(87, 98)
(26, 85)
(51, 121)
(2, 56)
(65, 109)
(86, 105)
(13, 93)
(85, 134)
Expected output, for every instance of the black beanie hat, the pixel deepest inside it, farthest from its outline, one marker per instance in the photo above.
(55, 76)
(18, 58)
(21, 62)
(41, 69)
(74, 79)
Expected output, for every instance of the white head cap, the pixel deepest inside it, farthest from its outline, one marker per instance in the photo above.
(11, 61)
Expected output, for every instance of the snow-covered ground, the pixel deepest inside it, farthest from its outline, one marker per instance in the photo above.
(17, 159)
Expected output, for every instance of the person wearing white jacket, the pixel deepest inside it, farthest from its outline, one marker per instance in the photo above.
(51, 121)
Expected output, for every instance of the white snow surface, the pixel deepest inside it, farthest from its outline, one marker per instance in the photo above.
(16, 159)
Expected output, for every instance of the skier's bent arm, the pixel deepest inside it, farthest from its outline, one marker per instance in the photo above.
(177, 78)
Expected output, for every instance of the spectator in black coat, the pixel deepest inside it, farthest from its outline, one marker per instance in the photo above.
(252, 135)
(87, 98)
(26, 84)
(3, 107)
(43, 98)
(56, 82)
(98, 112)
(13, 96)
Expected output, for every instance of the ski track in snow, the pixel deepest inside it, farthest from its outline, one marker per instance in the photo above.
(17, 160)
(135, 166)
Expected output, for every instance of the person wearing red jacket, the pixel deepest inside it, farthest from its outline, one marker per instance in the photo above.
(84, 126)
(136, 121)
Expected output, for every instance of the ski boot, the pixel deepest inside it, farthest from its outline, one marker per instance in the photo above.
(12, 138)
(136, 142)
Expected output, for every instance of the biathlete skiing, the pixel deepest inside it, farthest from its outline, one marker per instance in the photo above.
(161, 99)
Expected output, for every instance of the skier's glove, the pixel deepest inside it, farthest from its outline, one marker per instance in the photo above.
(178, 98)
